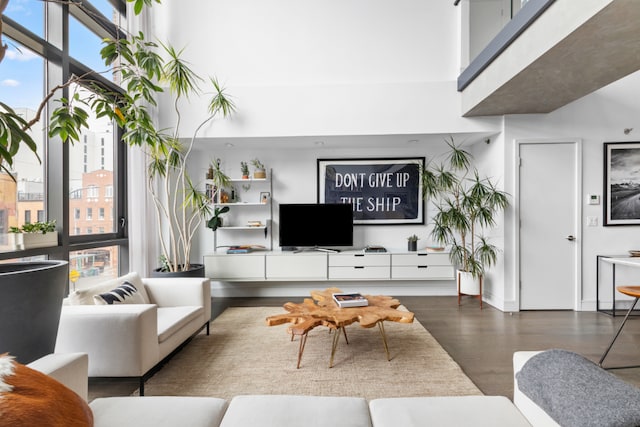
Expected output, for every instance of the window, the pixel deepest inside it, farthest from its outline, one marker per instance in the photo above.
(22, 85)
(85, 169)
(91, 263)
(101, 213)
(92, 192)
(96, 156)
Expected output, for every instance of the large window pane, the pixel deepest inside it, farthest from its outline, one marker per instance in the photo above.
(92, 266)
(28, 13)
(22, 80)
(85, 45)
(91, 179)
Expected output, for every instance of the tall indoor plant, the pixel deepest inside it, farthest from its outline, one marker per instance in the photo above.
(466, 206)
(180, 205)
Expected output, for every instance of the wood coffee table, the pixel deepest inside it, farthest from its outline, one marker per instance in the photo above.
(321, 310)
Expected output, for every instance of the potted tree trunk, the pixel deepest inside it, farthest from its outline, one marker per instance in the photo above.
(466, 206)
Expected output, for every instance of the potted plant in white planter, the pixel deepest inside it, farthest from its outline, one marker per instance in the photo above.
(41, 234)
(466, 205)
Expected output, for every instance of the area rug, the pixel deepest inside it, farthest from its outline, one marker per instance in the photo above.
(244, 356)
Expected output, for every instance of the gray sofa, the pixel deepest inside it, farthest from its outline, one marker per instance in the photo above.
(292, 410)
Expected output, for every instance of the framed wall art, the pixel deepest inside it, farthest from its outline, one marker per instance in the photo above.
(381, 191)
(621, 183)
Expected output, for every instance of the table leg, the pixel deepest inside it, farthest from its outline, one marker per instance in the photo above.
(334, 345)
(618, 332)
(303, 342)
(384, 339)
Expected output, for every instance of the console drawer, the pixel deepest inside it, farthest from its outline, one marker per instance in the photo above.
(425, 272)
(359, 260)
(359, 272)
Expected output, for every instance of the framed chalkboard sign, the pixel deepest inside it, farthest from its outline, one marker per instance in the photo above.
(382, 191)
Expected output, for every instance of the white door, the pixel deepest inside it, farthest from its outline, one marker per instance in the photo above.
(548, 210)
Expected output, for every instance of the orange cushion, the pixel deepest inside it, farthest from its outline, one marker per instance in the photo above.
(31, 398)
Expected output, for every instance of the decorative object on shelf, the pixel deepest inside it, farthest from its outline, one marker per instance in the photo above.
(259, 169)
(412, 243)
(41, 234)
(466, 204)
(265, 196)
(381, 191)
(244, 169)
(216, 220)
(620, 186)
(218, 181)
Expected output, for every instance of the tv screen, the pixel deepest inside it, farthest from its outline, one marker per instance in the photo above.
(316, 225)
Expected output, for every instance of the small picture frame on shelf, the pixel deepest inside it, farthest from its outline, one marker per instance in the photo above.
(265, 196)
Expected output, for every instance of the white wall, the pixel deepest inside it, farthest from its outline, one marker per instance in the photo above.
(597, 118)
(300, 69)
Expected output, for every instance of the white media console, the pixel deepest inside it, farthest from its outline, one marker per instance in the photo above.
(321, 266)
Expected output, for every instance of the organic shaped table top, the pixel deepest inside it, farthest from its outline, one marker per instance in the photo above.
(321, 309)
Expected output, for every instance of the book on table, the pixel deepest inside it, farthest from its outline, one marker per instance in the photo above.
(350, 300)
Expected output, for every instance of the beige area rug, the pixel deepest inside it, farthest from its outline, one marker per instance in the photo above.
(244, 356)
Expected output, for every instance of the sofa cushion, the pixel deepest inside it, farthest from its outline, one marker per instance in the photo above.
(574, 391)
(476, 411)
(156, 411)
(85, 296)
(172, 319)
(296, 411)
(126, 293)
(31, 398)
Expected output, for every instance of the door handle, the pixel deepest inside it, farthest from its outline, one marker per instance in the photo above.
(571, 238)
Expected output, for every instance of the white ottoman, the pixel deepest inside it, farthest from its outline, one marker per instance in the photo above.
(459, 411)
(296, 411)
(158, 411)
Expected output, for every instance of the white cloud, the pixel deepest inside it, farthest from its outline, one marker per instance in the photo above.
(10, 83)
(23, 55)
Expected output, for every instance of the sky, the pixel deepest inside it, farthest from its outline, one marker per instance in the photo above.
(22, 71)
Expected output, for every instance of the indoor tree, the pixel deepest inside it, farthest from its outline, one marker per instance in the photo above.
(466, 206)
(144, 68)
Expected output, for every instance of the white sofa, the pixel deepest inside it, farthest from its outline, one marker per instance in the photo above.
(129, 340)
(281, 410)
(296, 411)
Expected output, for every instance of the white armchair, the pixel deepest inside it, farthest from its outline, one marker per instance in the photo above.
(129, 340)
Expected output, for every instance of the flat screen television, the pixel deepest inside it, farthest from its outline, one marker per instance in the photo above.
(319, 226)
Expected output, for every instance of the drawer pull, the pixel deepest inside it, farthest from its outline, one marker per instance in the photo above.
(423, 266)
(358, 255)
(358, 266)
(422, 254)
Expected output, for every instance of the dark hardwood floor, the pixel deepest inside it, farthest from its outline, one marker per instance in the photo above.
(482, 342)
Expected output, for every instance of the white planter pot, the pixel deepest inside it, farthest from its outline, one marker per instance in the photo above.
(21, 241)
(469, 285)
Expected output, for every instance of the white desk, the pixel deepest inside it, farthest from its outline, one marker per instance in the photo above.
(613, 260)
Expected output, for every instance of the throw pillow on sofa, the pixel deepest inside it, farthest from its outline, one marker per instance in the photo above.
(123, 294)
(31, 398)
(85, 296)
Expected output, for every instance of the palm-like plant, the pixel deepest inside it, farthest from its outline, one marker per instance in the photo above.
(179, 204)
(466, 205)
